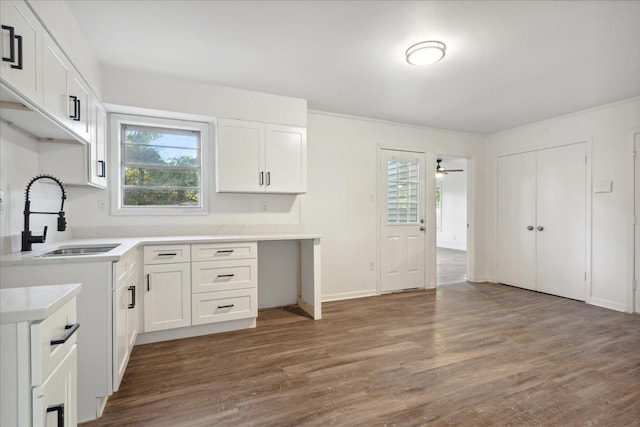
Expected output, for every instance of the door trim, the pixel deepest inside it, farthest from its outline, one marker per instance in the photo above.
(430, 222)
(634, 155)
(471, 221)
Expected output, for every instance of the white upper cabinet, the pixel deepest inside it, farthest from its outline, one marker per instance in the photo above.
(286, 159)
(98, 159)
(66, 96)
(254, 157)
(21, 48)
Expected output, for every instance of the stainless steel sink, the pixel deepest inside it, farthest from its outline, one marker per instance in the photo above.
(80, 250)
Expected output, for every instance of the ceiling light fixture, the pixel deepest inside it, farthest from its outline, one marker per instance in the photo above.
(425, 53)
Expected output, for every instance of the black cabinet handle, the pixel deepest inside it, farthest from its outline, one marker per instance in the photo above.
(103, 169)
(60, 410)
(227, 251)
(226, 306)
(168, 254)
(74, 99)
(148, 282)
(133, 297)
(261, 178)
(268, 178)
(70, 330)
(12, 48)
(77, 119)
(226, 275)
(19, 66)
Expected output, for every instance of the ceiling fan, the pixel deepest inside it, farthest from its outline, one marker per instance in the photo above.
(442, 170)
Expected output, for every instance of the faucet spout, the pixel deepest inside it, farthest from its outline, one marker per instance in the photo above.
(27, 237)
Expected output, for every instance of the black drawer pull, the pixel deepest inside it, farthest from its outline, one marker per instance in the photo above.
(12, 47)
(19, 66)
(168, 254)
(70, 330)
(227, 251)
(226, 306)
(133, 297)
(103, 169)
(75, 115)
(60, 410)
(226, 275)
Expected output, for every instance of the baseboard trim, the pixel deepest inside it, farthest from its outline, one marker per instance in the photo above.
(348, 295)
(194, 331)
(611, 305)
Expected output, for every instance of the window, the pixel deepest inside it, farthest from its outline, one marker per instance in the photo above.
(160, 165)
(402, 192)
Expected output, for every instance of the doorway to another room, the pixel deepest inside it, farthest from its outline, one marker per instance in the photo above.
(451, 220)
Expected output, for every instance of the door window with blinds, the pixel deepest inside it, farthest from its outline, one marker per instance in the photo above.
(161, 165)
(403, 184)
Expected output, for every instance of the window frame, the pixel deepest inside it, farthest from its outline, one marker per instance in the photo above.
(116, 121)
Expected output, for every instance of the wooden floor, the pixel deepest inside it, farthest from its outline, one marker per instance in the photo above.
(466, 354)
(451, 266)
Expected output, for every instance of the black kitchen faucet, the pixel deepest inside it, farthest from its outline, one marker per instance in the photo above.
(27, 238)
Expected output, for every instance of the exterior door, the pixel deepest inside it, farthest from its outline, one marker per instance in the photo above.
(561, 221)
(402, 188)
(516, 220)
(637, 225)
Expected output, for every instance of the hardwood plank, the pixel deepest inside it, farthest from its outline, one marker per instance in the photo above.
(464, 354)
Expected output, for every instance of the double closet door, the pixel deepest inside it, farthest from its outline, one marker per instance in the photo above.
(542, 220)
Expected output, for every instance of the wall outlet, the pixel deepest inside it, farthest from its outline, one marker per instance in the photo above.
(372, 266)
(102, 206)
(264, 206)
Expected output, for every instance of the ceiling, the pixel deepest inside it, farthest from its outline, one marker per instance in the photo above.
(508, 63)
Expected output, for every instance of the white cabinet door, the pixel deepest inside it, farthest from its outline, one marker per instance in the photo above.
(22, 36)
(120, 344)
(98, 161)
(55, 400)
(286, 159)
(561, 221)
(55, 81)
(517, 220)
(167, 296)
(80, 104)
(239, 156)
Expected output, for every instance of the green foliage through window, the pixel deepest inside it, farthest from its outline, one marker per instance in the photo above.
(161, 167)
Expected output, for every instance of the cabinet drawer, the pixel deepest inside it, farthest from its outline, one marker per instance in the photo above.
(224, 275)
(125, 265)
(45, 356)
(167, 254)
(216, 251)
(56, 398)
(211, 307)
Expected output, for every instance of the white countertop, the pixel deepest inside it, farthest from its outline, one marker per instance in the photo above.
(128, 243)
(34, 303)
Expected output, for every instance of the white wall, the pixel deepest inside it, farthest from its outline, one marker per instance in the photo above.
(18, 164)
(453, 234)
(610, 129)
(341, 201)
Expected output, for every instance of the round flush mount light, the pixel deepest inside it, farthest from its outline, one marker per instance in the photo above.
(425, 53)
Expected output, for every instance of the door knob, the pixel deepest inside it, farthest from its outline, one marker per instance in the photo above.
(422, 228)
(529, 227)
(540, 228)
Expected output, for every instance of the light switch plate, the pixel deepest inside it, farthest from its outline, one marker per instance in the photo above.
(602, 186)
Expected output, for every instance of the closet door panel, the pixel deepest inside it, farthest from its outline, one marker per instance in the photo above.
(516, 214)
(561, 203)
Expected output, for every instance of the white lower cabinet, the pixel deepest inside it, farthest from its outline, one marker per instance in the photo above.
(125, 313)
(167, 290)
(200, 283)
(39, 365)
